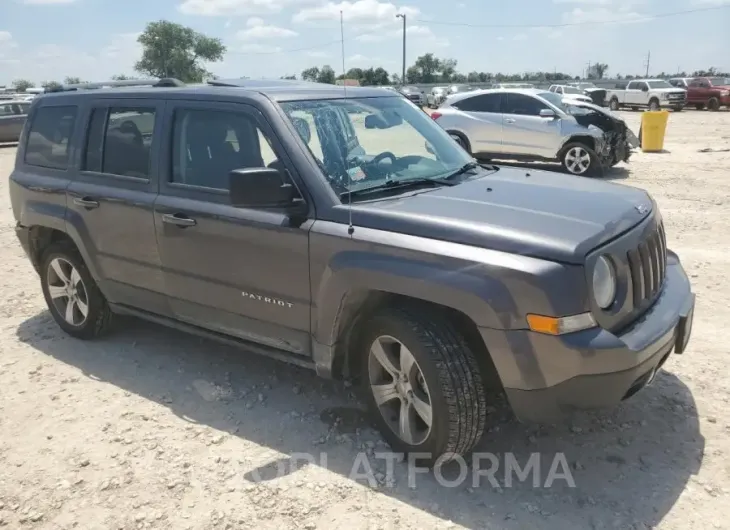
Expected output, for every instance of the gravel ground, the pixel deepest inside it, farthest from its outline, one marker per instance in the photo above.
(151, 428)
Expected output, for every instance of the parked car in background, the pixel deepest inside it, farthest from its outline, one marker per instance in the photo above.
(680, 82)
(533, 125)
(597, 94)
(710, 92)
(653, 94)
(458, 89)
(513, 85)
(13, 114)
(436, 96)
(415, 94)
(570, 92)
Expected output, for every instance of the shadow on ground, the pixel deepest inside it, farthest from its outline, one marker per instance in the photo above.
(613, 173)
(629, 465)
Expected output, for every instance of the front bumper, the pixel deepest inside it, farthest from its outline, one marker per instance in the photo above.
(546, 376)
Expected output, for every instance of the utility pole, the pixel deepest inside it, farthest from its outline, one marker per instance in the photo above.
(403, 76)
(648, 61)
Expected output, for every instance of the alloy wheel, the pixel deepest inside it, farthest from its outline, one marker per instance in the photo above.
(68, 292)
(400, 391)
(577, 160)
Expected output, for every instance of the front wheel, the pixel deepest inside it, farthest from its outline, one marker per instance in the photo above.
(579, 159)
(654, 105)
(422, 384)
(614, 104)
(678, 109)
(73, 298)
(713, 104)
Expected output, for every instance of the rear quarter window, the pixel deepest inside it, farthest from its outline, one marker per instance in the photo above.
(49, 136)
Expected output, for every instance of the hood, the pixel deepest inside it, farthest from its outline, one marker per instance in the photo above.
(577, 97)
(597, 108)
(535, 213)
(669, 90)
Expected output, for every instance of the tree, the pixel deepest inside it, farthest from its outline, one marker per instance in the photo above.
(51, 85)
(21, 85)
(310, 74)
(600, 69)
(327, 75)
(425, 69)
(173, 50)
(72, 80)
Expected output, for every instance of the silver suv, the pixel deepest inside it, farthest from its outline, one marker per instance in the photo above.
(534, 124)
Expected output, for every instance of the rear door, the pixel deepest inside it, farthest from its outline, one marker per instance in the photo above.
(11, 122)
(110, 202)
(241, 272)
(483, 122)
(524, 132)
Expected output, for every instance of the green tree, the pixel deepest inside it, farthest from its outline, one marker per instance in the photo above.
(327, 75)
(310, 74)
(72, 80)
(173, 50)
(51, 84)
(600, 70)
(122, 77)
(21, 85)
(425, 69)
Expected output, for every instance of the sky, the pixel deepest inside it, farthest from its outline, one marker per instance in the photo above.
(43, 40)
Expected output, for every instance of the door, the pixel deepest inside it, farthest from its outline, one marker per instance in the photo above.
(699, 92)
(636, 95)
(524, 132)
(485, 129)
(110, 203)
(237, 271)
(12, 120)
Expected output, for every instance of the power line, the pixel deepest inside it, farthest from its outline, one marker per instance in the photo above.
(572, 24)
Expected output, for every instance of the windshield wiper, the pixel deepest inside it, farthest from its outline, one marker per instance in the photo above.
(469, 166)
(398, 185)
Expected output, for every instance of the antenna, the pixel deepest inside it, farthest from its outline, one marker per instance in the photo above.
(350, 227)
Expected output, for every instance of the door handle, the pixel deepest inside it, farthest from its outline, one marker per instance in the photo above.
(86, 202)
(509, 120)
(178, 219)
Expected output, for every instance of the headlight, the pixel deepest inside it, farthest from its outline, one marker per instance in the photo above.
(604, 282)
(724, 93)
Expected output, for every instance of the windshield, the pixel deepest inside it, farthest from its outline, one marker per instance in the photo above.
(719, 81)
(659, 84)
(362, 142)
(571, 90)
(554, 99)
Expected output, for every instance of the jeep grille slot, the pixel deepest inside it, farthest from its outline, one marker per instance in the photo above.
(648, 266)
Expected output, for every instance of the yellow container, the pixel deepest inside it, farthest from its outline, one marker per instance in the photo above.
(653, 129)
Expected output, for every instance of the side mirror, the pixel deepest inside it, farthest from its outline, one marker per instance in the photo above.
(429, 148)
(262, 188)
(547, 113)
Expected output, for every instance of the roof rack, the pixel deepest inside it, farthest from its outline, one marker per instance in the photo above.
(164, 82)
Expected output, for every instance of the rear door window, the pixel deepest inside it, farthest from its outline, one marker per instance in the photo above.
(49, 137)
(480, 103)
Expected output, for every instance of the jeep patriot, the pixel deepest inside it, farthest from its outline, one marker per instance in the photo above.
(343, 230)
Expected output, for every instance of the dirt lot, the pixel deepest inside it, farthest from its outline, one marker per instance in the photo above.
(151, 428)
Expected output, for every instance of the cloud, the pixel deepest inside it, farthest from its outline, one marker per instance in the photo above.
(217, 8)
(258, 29)
(622, 14)
(361, 12)
(411, 31)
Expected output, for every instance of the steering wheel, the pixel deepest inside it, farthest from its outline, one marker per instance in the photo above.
(382, 156)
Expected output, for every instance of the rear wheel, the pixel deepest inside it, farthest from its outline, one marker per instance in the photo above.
(461, 140)
(422, 384)
(73, 298)
(579, 159)
(713, 104)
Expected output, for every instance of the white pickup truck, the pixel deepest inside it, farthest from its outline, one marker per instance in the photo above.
(652, 93)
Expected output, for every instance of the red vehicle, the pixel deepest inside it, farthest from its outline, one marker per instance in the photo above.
(710, 92)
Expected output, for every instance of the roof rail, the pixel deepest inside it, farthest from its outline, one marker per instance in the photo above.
(164, 82)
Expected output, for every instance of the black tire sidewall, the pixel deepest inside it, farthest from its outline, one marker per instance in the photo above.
(96, 301)
(654, 103)
(713, 104)
(614, 104)
(437, 439)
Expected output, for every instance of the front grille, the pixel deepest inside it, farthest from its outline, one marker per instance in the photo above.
(648, 266)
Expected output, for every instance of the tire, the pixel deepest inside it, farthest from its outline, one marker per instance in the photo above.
(58, 263)
(699, 106)
(579, 151)
(654, 105)
(713, 104)
(461, 140)
(613, 105)
(678, 109)
(445, 376)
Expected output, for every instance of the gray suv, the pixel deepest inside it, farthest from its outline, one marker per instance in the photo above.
(349, 234)
(533, 125)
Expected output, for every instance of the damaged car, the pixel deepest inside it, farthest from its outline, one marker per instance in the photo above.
(537, 125)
